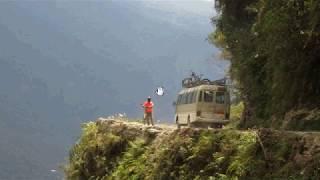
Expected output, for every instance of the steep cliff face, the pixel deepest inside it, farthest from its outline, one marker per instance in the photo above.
(114, 149)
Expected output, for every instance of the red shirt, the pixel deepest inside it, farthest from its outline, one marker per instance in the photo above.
(148, 106)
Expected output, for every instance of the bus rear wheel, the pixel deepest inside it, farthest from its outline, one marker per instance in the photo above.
(188, 122)
(216, 126)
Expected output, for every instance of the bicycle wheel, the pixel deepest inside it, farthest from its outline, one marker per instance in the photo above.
(205, 81)
(186, 82)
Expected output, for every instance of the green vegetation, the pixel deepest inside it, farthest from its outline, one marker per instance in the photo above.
(236, 111)
(95, 155)
(274, 50)
(109, 150)
(133, 163)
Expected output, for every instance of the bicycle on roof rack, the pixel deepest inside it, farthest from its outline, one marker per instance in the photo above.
(196, 80)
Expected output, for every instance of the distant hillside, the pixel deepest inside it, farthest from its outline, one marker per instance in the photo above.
(62, 63)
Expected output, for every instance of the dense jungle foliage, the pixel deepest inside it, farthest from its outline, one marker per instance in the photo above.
(274, 50)
(116, 150)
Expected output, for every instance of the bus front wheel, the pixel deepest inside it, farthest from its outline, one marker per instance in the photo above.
(177, 122)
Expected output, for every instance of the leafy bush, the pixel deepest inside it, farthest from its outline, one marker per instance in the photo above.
(95, 155)
(133, 162)
(124, 152)
(273, 47)
(236, 111)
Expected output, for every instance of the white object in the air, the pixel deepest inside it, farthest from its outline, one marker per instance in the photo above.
(53, 170)
(160, 91)
(123, 115)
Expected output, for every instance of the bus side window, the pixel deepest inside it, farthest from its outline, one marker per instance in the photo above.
(194, 98)
(179, 99)
(182, 98)
(190, 97)
(185, 98)
(200, 96)
(220, 97)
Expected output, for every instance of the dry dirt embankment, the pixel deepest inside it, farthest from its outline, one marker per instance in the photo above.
(114, 149)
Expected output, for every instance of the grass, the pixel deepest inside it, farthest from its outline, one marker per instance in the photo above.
(235, 115)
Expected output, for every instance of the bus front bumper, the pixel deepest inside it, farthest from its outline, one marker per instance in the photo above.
(211, 120)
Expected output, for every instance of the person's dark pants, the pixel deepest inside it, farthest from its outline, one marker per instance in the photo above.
(148, 118)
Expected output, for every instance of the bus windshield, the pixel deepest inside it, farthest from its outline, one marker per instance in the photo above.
(220, 98)
(208, 96)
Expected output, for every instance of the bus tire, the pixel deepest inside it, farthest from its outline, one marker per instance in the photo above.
(227, 116)
(188, 121)
(177, 122)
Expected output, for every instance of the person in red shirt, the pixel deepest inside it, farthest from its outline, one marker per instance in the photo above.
(148, 108)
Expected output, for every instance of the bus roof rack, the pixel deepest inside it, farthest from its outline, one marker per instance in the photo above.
(189, 82)
(221, 82)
